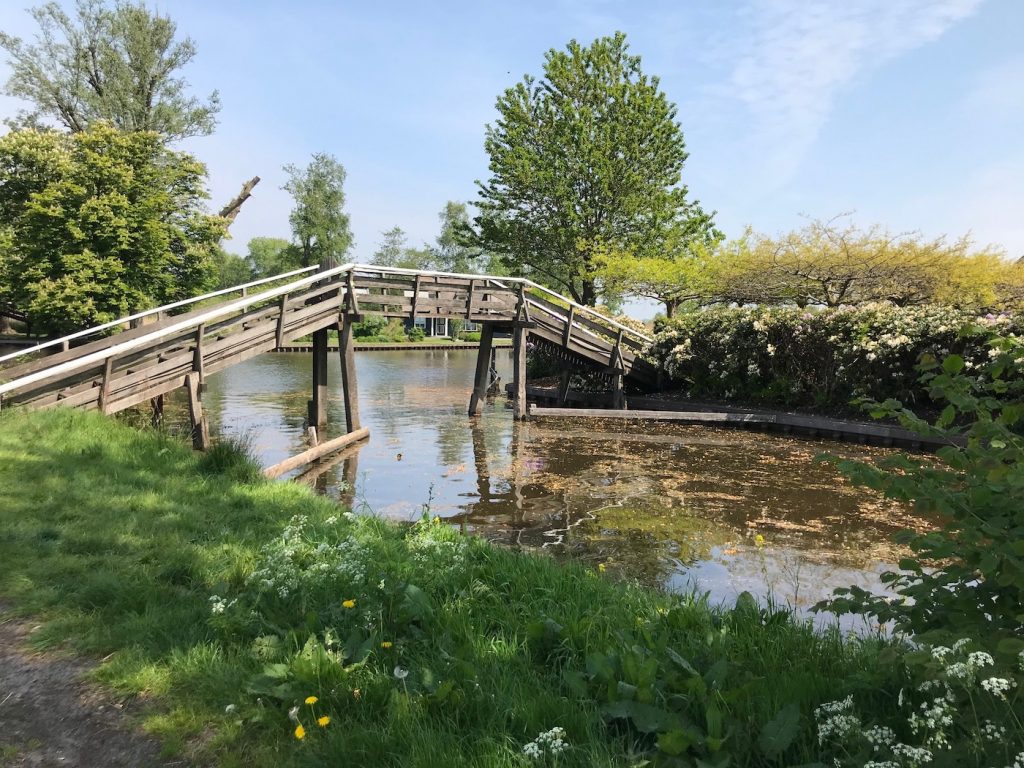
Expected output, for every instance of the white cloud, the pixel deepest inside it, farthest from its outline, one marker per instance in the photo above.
(797, 56)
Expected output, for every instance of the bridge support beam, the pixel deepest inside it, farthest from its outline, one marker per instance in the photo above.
(200, 429)
(483, 369)
(519, 338)
(349, 386)
(318, 405)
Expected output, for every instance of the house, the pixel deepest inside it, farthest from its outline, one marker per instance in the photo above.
(441, 326)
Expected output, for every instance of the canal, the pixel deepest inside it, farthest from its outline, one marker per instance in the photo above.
(683, 507)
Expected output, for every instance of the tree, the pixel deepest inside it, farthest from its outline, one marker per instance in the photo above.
(231, 270)
(395, 252)
(456, 250)
(101, 223)
(671, 273)
(269, 256)
(319, 222)
(586, 160)
(832, 262)
(115, 63)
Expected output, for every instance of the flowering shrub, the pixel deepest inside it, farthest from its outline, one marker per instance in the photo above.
(957, 709)
(821, 358)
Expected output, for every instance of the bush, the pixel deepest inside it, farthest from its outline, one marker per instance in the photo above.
(371, 326)
(965, 579)
(470, 336)
(416, 334)
(819, 359)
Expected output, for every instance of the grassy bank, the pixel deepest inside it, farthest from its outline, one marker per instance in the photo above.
(226, 601)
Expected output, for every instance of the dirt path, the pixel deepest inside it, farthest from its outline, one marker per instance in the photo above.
(50, 716)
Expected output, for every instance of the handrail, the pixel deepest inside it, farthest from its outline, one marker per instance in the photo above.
(148, 312)
(141, 341)
(243, 303)
(526, 281)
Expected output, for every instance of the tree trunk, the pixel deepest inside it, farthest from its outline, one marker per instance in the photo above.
(670, 308)
(588, 296)
(230, 211)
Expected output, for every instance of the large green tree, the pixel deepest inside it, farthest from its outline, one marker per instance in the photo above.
(117, 63)
(586, 160)
(394, 251)
(319, 222)
(456, 249)
(269, 256)
(101, 223)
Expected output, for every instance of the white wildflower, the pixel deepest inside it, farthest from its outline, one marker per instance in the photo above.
(998, 686)
(979, 659)
(401, 673)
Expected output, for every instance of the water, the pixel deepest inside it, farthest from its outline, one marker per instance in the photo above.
(672, 505)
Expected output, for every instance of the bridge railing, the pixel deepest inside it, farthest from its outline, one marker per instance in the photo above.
(120, 371)
(64, 341)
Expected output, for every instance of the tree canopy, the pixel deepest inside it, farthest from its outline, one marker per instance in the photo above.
(116, 63)
(586, 160)
(269, 256)
(834, 262)
(394, 251)
(319, 222)
(100, 223)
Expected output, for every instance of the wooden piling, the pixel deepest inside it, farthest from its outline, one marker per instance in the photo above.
(318, 405)
(483, 369)
(307, 457)
(519, 338)
(349, 386)
(200, 429)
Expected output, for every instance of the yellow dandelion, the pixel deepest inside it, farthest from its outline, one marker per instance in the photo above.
(356, 694)
(311, 700)
(602, 567)
(759, 540)
(324, 721)
(386, 644)
(300, 732)
(437, 520)
(348, 604)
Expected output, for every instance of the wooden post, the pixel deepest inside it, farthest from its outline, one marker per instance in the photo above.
(350, 389)
(563, 385)
(105, 386)
(618, 366)
(200, 429)
(519, 338)
(282, 305)
(318, 405)
(469, 301)
(483, 369)
(197, 357)
(157, 404)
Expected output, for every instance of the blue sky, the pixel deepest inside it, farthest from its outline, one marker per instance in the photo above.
(909, 112)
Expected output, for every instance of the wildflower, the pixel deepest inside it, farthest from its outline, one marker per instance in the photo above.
(324, 721)
(293, 714)
(348, 604)
(401, 673)
(437, 520)
(759, 541)
(230, 709)
(979, 659)
(300, 732)
(998, 686)
(386, 644)
(602, 567)
(311, 700)
(939, 652)
(357, 694)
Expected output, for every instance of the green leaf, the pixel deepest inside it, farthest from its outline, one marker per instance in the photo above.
(676, 742)
(779, 732)
(646, 718)
(953, 364)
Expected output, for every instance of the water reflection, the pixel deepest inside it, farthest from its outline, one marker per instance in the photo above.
(675, 505)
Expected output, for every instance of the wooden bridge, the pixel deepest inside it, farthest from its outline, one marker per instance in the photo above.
(142, 364)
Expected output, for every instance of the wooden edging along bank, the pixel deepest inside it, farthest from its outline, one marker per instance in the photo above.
(383, 347)
(786, 423)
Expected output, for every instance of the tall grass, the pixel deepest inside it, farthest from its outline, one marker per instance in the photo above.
(118, 539)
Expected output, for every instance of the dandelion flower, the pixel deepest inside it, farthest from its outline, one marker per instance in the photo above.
(401, 673)
(311, 700)
(602, 567)
(357, 694)
(300, 732)
(759, 540)
(324, 721)
(386, 644)
(348, 604)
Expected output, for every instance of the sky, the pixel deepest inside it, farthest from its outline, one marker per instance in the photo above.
(908, 113)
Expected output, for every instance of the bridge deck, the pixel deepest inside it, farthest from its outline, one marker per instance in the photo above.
(140, 364)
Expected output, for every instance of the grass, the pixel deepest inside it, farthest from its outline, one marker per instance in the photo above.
(117, 539)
